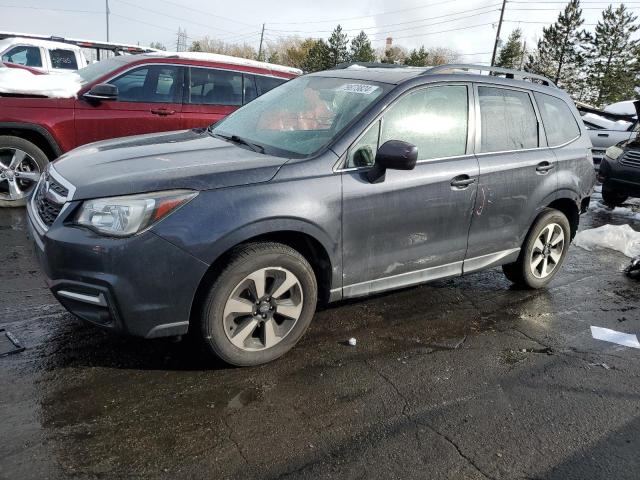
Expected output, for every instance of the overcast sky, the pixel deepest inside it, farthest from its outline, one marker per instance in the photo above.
(463, 25)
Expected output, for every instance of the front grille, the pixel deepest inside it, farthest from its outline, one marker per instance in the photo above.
(48, 209)
(631, 159)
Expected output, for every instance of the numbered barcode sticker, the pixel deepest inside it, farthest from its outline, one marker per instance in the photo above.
(362, 88)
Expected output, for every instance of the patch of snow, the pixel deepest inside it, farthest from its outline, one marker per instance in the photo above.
(621, 108)
(621, 238)
(605, 123)
(23, 82)
(625, 212)
(356, 67)
(215, 57)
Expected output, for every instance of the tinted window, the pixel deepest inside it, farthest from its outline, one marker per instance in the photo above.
(64, 59)
(268, 83)
(433, 119)
(508, 120)
(215, 87)
(152, 84)
(23, 55)
(559, 123)
(250, 92)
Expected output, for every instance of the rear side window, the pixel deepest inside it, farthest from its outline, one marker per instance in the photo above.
(508, 120)
(150, 84)
(434, 119)
(559, 123)
(268, 83)
(24, 55)
(63, 59)
(250, 92)
(215, 87)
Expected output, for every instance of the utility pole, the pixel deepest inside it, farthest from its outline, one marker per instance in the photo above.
(107, 12)
(524, 54)
(495, 46)
(261, 40)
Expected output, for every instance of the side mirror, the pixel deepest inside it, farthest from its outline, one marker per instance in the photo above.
(394, 155)
(102, 92)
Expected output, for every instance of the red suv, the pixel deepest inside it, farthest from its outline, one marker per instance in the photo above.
(122, 96)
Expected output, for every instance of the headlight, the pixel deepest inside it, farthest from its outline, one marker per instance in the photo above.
(126, 216)
(614, 152)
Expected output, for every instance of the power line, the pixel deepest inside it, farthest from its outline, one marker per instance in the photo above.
(361, 17)
(52, 9)
(182, 19)
(393, 24)
(205, 13)
(445, 31)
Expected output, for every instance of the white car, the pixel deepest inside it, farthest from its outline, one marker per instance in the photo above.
(43, 55)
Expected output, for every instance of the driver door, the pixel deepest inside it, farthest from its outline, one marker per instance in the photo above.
(149, 101)
(413, 225)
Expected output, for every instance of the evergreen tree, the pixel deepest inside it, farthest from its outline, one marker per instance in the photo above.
(318, 58)
(417, 58)
(512, 52)
(338, 47)
(561, 52)
(195, 46)
(361, 49)
(613, 57)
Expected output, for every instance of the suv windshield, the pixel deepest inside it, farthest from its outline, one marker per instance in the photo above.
(302, 116)
(96, 70)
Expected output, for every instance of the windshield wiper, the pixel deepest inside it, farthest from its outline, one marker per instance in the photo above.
(241, 141)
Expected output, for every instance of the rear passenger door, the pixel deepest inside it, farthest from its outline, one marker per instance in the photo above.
(212, 94)
(517, 173)
(149, 100)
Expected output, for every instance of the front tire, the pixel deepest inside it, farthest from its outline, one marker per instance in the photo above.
(21, 163)
(543, 251)
(260, 305)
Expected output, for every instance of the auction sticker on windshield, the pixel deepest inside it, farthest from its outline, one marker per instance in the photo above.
(358, 88)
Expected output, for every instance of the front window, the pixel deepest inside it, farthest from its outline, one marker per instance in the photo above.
(302, 116)
(150, 84)
(93, 72)
(24, 55)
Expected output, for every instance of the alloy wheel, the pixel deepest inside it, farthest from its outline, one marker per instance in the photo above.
(547, 251)
(263, 309)
(19, 174)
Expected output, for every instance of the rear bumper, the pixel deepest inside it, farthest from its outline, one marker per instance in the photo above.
(142, 285)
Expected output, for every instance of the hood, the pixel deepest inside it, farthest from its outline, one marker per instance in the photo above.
(190, 159)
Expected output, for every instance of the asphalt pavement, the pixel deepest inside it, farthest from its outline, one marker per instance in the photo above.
(462, 379)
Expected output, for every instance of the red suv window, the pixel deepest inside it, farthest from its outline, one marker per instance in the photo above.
(150, 84)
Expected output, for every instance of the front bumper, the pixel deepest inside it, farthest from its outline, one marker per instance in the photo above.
(623, 179)
(141, 285)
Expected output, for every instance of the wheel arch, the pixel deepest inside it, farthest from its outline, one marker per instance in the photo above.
(312, 249)
(570, 207)
(35, 134)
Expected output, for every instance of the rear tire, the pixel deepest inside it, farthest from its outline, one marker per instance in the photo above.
(543, 252)
(611, 198)
(18, 181)
(260, 305)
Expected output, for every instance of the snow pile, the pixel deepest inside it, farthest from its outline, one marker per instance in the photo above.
(622, 108)
(215, 57)
(605, 123)
(622, 238)
(624, 212)
(23, 82)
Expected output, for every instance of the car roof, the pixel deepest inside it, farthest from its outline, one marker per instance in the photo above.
(7, 42)
(454, 72)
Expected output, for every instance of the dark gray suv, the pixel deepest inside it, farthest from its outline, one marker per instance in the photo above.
(335, 185)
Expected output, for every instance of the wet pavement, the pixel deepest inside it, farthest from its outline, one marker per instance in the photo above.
(464, 378)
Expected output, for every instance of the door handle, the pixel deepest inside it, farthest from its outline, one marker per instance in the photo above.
(544, 167)
(605, 135)
(462, 181)
(163, 112)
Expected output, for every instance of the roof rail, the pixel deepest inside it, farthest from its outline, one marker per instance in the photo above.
(507, 72)
(342, 66)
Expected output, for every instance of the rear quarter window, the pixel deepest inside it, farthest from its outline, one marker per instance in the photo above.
(63, 59)
(265, 84)
(559, 123)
